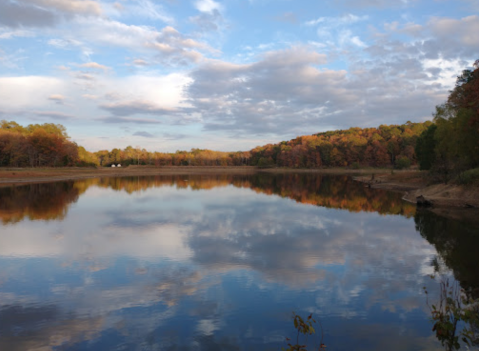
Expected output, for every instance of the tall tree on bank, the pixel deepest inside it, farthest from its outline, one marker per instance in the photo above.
(454, 138)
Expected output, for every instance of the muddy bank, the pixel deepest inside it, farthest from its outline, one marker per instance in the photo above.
(414, 184)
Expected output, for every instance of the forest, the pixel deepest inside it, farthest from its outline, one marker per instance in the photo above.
(386, 146)
(48, 145)
(448, 146)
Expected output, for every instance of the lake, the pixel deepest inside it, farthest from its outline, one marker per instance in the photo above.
(221, 262)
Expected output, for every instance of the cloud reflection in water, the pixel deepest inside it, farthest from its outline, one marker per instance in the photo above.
(161, 262)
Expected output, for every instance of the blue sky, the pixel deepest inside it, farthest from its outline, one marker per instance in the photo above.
(228, 75)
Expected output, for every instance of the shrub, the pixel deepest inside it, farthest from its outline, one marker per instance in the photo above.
(403, 162)
(469, 177)
(265, 162)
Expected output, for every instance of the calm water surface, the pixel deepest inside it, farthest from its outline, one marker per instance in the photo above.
(219, 263)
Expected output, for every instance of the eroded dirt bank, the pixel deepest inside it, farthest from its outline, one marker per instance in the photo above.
(414, 184)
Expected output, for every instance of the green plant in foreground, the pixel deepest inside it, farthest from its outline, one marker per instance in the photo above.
(304, 327)
(454, 309)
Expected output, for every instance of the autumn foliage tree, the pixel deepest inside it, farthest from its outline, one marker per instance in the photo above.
(376, 147)
(39, 145)
(194, 157)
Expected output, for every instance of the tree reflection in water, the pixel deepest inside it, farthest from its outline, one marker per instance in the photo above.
(50, 201)
(46, 201)
(455, 313)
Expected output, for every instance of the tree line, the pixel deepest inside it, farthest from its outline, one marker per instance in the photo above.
(48, 145)
(386, 146)
(449, 147)
(195, 157)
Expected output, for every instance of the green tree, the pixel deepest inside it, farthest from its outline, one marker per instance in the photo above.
(402, 162)
(425, 148)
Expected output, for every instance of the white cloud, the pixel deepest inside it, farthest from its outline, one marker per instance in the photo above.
(441, 36)
(442, 71)
(336, 32)
(172, 47)
(95, 65)
(126, 108)
(163, 92)
(346, 37)
(54, 115)
(144, 134)
(83, 7)
(140, 62)
(285, 92)
(9, 34)
(29, 91)
(373, 3)
(148, 9)
(146, 94)
(114, 33)
(45, 13)
(64, 43)
(90, 96)
(337, 21)
(12, 60)
(463, 30)
(19, 15)
(57, 98)
(209, 21)
(207, 6)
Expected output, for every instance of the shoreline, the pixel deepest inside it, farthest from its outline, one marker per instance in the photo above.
(411, 183)
(21, 176)
(414, 184)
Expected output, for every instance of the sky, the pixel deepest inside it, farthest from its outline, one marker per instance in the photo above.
(228, 75)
